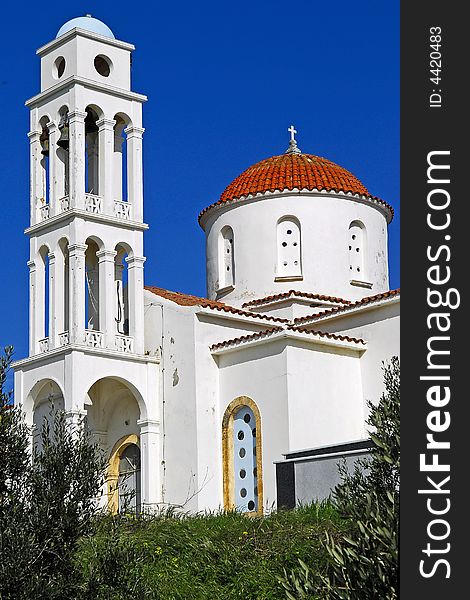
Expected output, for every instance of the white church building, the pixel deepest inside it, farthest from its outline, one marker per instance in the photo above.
(242, 399)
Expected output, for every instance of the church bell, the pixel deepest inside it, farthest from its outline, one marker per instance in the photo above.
(44, 140)
(63, 141)
(90, 124)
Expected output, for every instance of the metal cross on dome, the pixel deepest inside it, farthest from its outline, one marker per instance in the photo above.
(292, 149)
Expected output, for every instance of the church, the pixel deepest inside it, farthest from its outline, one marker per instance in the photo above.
(245, 399)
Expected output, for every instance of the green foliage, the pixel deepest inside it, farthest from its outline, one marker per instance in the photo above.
(201, 557)
(18, 550)
(363, 561)
(46, 504)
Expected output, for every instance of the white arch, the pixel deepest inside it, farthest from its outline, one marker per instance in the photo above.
(129, 385)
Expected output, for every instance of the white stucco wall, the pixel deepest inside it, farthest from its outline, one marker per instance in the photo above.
(307, 395)
(324, 221)
(324, 396)
(260, 373)
(79, 51)
(192, 413)
(380, 328)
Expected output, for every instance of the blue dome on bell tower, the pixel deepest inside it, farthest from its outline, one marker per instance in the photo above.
(89, 23)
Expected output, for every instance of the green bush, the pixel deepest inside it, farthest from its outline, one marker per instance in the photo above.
(202, 557)
(363, 561)
(47, 501)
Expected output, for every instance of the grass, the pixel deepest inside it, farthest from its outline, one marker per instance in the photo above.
(223, 556)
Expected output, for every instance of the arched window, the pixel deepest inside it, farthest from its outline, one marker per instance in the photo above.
(241, 430)
(226, 258)
(357, 251)
(289, 261)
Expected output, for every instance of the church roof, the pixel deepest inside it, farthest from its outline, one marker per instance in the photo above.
(368, 300)
(189, 300)
(279, 330)
(294, 171)
(297, 294)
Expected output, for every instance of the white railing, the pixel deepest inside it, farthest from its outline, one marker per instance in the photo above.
(44, 211)
(93, 204)
(124, 343)
(122, 210)
(64, 338)
(44, 345)
(94, 339)
(64, 203)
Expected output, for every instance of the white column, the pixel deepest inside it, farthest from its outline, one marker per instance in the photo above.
(53, 302)
(77, 159)
(53, 166)
(33, 337)
(135, 190)
(35, 157)
(77, 293)
(150, 462)
(106, 156)
(107, 295)
(136, 301)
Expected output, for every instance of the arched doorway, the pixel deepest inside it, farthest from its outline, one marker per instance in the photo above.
(113, 414)
(124, 476)
(129, 486)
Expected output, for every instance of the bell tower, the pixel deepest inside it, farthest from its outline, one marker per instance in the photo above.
(86, 310)
(86, 225)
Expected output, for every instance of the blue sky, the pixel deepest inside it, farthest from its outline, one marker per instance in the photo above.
(224, 81)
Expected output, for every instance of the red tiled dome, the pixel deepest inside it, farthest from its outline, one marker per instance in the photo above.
(293, 170)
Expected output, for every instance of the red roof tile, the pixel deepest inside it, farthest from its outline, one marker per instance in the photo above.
(268, 332)
(337, 309)
(289, 171)
(189, 300)
(296, 293)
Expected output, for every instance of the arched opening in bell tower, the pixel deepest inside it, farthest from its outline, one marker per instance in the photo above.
(44, 168)
(62, 153)
(92, 290)
(43, 283)
(62, 280)
(120, 159)
(121, 281)
(91, 152)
